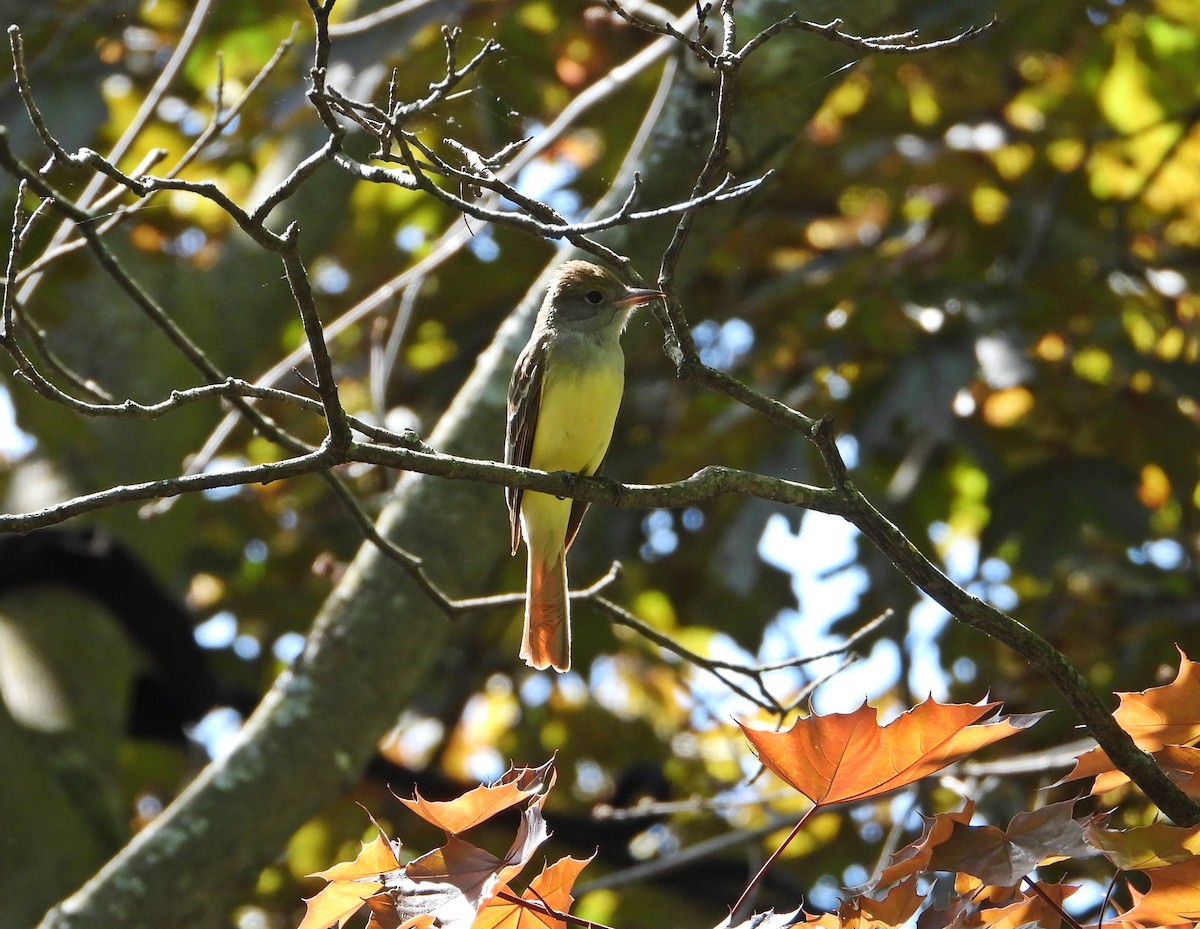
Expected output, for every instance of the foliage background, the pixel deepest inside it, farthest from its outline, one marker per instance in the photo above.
(980, 261)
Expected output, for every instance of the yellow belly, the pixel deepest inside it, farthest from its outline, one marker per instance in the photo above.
(576, 418)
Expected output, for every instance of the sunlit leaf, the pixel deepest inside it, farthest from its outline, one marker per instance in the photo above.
(1034, 909)
(1154, 846)
(767, 920)
(1173, 898)
(849, 756)
(551, 889)
(1162, 719)
(895, 908)
(351, 883)
(482, 803)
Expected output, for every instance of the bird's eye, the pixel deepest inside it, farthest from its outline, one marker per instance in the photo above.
(593, 297)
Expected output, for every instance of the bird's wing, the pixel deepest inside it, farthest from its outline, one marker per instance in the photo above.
(524, 403)
(578, 508)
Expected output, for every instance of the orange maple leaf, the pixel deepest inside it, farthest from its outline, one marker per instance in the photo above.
(550, 890)
(1166, 715)
(448, 886)
(849, 756)
(454, 882)
(895, 909)
(1180, 762)
(1159, 719)
(1172, 900)
(983, 894)
(860, 912)
(989, 855)
(1034, 909)
(351, 883)
(481, 803)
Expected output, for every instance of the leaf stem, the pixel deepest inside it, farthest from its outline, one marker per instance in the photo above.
(1066, 917)
(771, 860)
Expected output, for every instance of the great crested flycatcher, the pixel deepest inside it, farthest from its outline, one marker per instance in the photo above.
(562, 403)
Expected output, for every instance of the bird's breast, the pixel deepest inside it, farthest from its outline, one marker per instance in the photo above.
(579, 403)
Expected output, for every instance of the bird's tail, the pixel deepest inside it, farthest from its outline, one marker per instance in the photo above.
(546, 641)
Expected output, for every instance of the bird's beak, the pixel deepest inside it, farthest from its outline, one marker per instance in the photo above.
(637, 296)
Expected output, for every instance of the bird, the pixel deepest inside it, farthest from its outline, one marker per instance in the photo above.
(563, 399)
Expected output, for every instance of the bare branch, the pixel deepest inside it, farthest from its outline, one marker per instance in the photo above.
(16, 236)
(335, 417)
(543, 220)
(119, 150)
(17, 46)
(705, 485)
(898, 44)
(664, 28)
(454, 76)
(310, 463)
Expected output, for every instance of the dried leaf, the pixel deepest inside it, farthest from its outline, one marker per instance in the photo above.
(448, 886)
(1180, 762)
(460, 877)
(971, 897)
(861, 912)
(440, 900)
(849, 756)
(1001, 857)
(983, 893)
(897, 906)
(458, 864)
(454, 882)
(553, 886)
(1166, 715)
(915, 856)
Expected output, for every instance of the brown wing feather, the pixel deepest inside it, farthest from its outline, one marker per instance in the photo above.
(578, 509)
(524, 402)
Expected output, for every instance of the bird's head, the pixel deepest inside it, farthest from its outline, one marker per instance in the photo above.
(582, 293)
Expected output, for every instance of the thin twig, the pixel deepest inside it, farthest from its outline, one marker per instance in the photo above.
(122, 146)
(17, 47)
(16, 236)
(340, 435)
(899, 44)
(1066, 917)
(772, 858)
(222, 118)
(376, 18)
